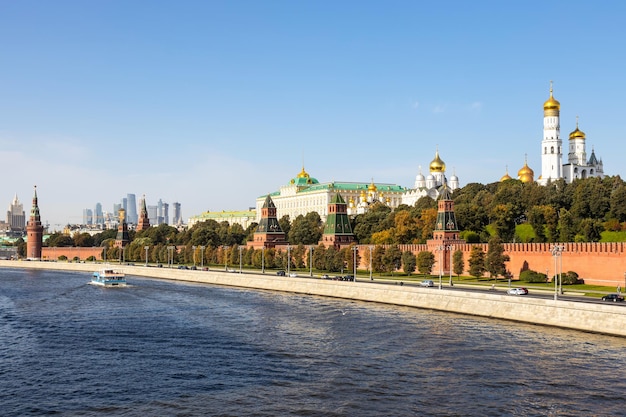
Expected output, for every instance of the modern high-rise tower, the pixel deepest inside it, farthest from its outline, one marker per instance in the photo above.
(177, 217)
(131, 209)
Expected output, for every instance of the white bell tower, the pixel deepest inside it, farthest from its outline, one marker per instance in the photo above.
(551, 145)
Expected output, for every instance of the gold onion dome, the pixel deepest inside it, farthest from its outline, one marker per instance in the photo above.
(577, 134)
(372, 187)
(506, 176)
(437, 165)
(552, 105)
(526, 174)
(303, 174)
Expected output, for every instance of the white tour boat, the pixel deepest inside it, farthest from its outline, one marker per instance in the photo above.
(109, 278)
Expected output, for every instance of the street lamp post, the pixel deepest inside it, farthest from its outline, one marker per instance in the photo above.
(193, 248)
(170, 255)
(202, 257)
(262, 259)
(450, 248)
(440, 249)
(355, 249)
(146, 248)
(370, 248)
(556, 253)
(240, 259)
(225, 247)
(288, 258)
(310, 260)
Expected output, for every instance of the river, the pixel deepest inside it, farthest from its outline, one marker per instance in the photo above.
(177, 349)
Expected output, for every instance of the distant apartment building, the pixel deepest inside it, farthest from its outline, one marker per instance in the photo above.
(16, 218)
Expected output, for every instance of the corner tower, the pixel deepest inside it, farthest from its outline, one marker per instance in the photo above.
(34, 231)
(551, 145)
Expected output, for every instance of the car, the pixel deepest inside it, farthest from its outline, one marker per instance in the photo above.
(427, 283)
(613, 297)
(293, 275)
(348, 278)
(325, 276)
(517, 291)
(280, 273)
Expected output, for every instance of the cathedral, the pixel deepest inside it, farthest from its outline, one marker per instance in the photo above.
(578, 166)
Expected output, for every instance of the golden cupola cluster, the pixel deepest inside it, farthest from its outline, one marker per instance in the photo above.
(552, 106)
(437, 165)
(577, 134)
(525, 174)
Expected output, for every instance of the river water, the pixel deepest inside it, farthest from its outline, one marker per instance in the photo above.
(159, 348)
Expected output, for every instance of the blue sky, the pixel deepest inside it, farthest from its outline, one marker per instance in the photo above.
(214, 103)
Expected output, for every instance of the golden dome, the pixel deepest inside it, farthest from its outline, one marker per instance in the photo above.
(526, 174)
(437, 165)
(303, 174)
(506, 176)
(552, 106)
(577, 134)
(372, 187)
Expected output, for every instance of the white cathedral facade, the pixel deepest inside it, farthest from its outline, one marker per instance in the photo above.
(578, 166)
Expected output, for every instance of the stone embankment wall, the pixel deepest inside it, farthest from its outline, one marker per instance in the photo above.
(600, 318)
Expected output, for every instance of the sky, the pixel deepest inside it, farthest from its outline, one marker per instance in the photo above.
(215, 103)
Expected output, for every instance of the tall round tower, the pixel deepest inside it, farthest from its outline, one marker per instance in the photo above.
(34, 231)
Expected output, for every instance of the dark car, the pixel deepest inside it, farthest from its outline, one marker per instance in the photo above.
(613, 297)
(280, 273)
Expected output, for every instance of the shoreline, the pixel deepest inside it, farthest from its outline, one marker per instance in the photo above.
(606, 319)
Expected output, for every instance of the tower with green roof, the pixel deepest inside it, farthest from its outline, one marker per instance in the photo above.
(446, 234)
(337, 230)
(268, 232)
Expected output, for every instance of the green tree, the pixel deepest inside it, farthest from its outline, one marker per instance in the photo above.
(425, 262)
(409, 262)
(84, 240)
(496, 259)
(458, 264)
(377, 259)
(567, 232)
(306, 230)
(285, 224)
(477, 262)
(392, 259)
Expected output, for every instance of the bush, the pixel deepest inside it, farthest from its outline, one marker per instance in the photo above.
(570, 278)
(533, 276)
(62, 258)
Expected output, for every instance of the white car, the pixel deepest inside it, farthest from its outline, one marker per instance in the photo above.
(427, 283)
(517, 291)
(293, 275)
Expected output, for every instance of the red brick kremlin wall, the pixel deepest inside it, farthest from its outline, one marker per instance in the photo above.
(596, 263)
(52, 254)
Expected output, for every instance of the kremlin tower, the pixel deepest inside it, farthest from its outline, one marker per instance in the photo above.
(34, 231)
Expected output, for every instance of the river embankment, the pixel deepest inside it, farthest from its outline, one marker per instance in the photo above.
(598, 318)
